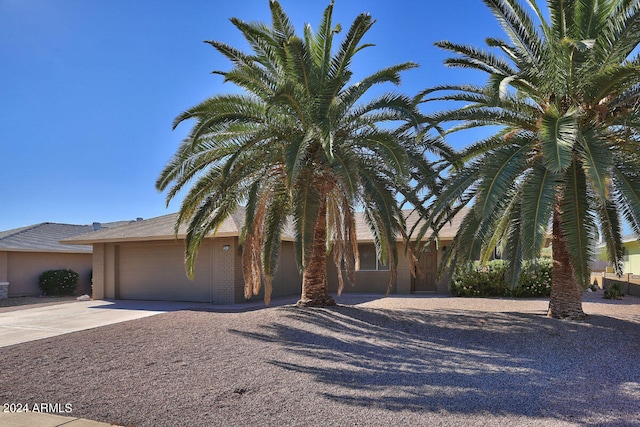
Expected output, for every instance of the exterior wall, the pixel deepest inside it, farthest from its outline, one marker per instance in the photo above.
(110, 271)
(238, 278)
(632, 258)
(98, 281)
(630, 282)
(377, 281)
(287, 281)
(372, 281)
(3, 266)
(223, 270)
(405, 278)
(155, 271)
(22, 270)
(443, 284)
(119, 268)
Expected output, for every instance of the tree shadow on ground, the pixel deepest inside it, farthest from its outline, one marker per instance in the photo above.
(465, 362)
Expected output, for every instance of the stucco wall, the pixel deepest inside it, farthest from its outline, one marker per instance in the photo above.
(3, 266)
(632, 258)
(373, 282)
(22, 270)
(155, 270)
(376, 282)
(287, 281)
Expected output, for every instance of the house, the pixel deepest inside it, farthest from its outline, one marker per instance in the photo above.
(630, 259)
(630, 278)
(27, 252)
(145, 261)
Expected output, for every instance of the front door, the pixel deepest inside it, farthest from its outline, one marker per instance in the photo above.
(428, 264)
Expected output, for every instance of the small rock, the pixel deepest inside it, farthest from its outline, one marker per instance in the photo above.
(84, 298)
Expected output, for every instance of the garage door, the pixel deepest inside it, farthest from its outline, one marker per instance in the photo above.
(155, 271)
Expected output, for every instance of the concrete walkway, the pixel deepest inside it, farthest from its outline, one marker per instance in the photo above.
(31, 324)
(32, 419)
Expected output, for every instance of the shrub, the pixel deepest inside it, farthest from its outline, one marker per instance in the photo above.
(478, 281)
(58, 282)
(535, 280)
(489, 281)
(614, 291)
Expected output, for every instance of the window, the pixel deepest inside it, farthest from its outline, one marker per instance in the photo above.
(368, 259)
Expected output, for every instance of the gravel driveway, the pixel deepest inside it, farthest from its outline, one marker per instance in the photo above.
(429, 361)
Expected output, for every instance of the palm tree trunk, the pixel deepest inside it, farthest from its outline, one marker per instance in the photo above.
(315, 292)
(566, 295)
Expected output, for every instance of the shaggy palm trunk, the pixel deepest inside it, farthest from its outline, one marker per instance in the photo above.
(315, 292)
(566, 295)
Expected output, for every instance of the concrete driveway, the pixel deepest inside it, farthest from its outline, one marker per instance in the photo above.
(31, 324)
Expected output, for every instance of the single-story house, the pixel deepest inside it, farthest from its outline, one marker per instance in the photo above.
(630, 277)
(145, 261)
(27, 252)
(630, 259)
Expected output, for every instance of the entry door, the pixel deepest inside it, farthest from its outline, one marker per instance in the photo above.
(429, 266)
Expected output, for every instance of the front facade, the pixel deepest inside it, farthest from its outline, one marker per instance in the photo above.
(154, 270)
(27, 252)
(631, 258)
(374, 277)
(145, 261)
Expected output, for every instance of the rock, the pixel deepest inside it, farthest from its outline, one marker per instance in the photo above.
(84, 298)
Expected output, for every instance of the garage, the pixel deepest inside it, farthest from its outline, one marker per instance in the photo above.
(156, 272)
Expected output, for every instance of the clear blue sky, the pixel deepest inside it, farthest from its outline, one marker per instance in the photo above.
(89, 88)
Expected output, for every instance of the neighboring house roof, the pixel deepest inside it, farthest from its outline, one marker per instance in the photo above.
(163, 228)
(46, 237)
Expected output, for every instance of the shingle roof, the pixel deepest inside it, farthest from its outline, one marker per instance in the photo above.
(162, 228)
(159, 228)
(42, 237)
(46, 237)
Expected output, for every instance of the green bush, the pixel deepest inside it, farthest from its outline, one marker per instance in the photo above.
(58, 282)
(477, 281)
(535, 280)
(489, 281)
(614, 291)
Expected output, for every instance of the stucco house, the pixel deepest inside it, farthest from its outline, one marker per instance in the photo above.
(631, 256)
(27, 252)
(145, 261)
(630, 259)
(630, 277)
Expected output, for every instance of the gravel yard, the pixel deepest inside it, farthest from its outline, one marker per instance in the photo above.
(420, 361)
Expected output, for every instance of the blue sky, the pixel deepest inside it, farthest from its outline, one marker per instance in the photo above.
(89, 88)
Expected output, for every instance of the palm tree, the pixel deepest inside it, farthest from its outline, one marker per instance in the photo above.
(301, 145)
(565, 94)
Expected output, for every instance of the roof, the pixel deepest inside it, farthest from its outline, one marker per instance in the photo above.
(46, 237)
(158, 228)
(163, 228)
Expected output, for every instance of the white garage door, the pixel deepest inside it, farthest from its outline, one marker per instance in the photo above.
(155, 271)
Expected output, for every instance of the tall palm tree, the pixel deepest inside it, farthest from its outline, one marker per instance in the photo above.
(565, 94)
(301, 144)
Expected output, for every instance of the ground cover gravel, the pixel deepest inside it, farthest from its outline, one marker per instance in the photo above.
(419, 361)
